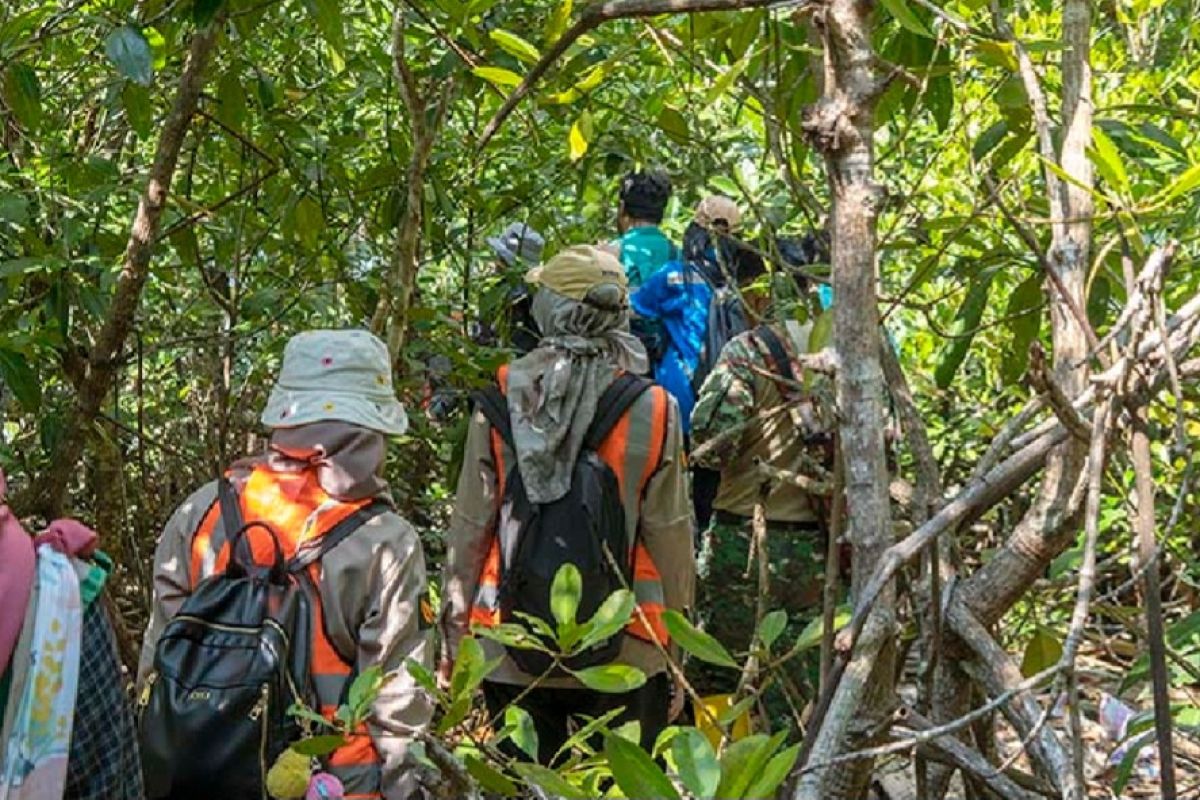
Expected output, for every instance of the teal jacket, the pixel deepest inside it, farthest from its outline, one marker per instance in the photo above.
(644, 251)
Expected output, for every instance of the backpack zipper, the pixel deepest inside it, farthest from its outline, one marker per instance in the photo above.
(144, 697)
(259, 714)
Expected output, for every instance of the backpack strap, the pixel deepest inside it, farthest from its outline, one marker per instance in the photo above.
(307, 556)
(492, 403)
(779, 355)
(231, 519)
(620, 395)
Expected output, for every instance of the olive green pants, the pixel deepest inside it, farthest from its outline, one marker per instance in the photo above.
(727, 597)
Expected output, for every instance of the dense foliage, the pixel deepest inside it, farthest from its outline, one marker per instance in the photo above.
(293, 180)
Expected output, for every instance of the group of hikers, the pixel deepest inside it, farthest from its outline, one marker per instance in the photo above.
(654, 404)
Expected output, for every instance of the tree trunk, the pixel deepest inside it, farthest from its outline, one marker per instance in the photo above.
(1052, 522)
(841, 126)
(105, 356)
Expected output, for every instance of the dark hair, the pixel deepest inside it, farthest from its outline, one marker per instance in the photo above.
(644, 195)
(802, 251)
(743, 264)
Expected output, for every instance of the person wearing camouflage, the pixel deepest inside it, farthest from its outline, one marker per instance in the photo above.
(753, 417)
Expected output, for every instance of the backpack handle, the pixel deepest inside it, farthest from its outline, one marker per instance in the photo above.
(241, 562)
(238, 568)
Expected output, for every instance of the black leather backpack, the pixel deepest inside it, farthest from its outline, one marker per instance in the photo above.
(213, 712)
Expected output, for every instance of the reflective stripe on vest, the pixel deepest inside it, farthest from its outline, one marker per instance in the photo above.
(299, 511)
(615, 452)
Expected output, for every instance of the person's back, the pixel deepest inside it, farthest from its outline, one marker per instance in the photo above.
(751, 413)
(318, 481)
(643, 247)
(555, 394)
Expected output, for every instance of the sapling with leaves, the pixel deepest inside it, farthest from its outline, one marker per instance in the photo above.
(602, 751)
(296, 772)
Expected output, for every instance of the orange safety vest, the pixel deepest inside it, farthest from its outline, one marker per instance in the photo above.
(299, 511)
(615, 452)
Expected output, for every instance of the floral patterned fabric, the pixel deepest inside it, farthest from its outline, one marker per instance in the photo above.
(37, 747)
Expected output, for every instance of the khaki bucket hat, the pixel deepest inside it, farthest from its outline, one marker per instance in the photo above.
(576, 270)
(336, 375)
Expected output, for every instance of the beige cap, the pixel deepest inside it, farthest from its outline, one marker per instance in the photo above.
(576, 270)
(716, 210)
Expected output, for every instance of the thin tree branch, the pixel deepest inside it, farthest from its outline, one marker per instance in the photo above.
(594, 15)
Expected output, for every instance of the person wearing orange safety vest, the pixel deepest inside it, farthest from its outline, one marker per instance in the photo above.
(582, 310)
(330, 415)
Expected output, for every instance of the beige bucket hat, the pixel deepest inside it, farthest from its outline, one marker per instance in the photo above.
(341, 375)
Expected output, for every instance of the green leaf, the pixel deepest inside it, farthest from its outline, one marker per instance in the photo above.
(965, 326)
(23, 94)
(635, 772)
(498, 76)
(158, 47)
(515, 46)
(591, 79)
(674, 124)
(204, 11)
(20, 379)
(939, 96)
(422, 676)
(743, 761)
(1043, 651)
(773, 624)
(611, 678)
(556, 25)
(577, 140)
(988, 140)
(1107, 158)
(1185, 184)
(810, 637)
(317, 746)
(231, 100)
(328, 16)
(695, 641)
(610, 619)
(581, 737)
(490, 778)
(309, 221)
(455, 714)
(135, 99)
(549, 781)
(773, 774)
(467, 666)
(264, 87)
(129, 50)
(303, 712)
(565, 592)
(722, 84)
(522, 731)
(364, 690)
(695, 762)
(907, 18)
(511, 635)
(1025, 323)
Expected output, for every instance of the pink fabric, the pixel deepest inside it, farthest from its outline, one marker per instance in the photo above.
(16, 577)
(69, 537)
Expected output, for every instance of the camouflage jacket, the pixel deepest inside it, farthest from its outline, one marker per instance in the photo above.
(747, 414)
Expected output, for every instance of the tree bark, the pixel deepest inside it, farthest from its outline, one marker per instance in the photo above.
(841, 126)
(105, 356)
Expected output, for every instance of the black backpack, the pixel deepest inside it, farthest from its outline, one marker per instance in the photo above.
(726, 319)
(213, 712)
(578, 528)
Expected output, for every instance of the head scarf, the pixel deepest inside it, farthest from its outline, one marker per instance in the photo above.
(347, 458)
(553, 391)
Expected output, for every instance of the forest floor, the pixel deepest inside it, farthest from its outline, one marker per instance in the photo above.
(1100, 681)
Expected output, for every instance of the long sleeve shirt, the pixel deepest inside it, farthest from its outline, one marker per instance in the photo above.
(663, 521)
(371, 587)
